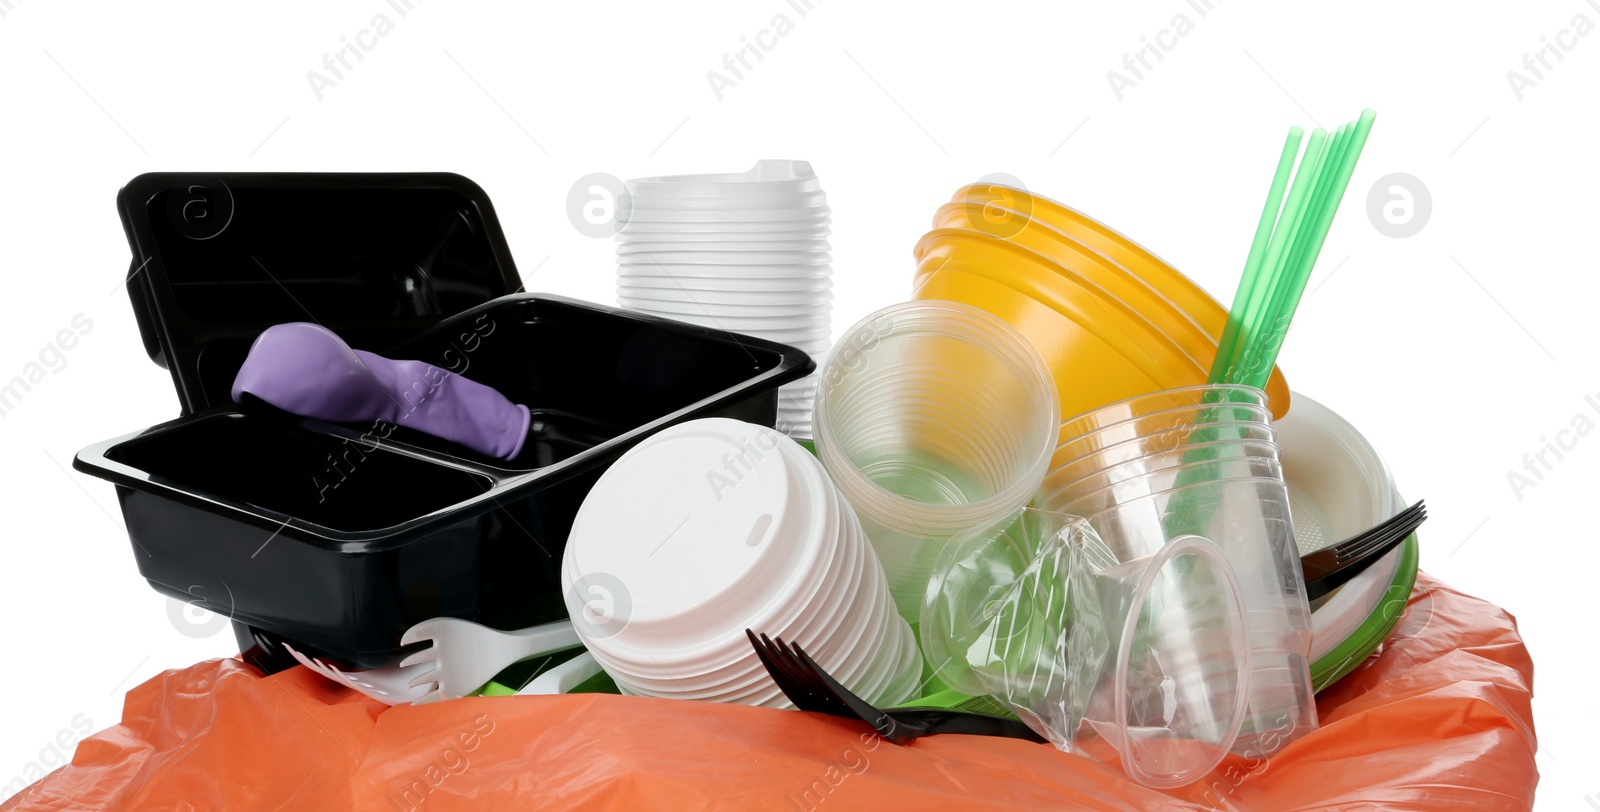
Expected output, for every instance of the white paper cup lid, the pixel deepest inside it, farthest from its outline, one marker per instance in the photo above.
(687, 526)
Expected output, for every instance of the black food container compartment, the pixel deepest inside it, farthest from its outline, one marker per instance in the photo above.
(340, 537)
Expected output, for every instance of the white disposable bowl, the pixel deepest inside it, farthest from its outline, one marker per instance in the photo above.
(1338, 486)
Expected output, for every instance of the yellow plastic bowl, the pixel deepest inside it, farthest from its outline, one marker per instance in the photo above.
(1007, 211)
(1073, 296)
(1139, 313)
(1067, 253)
(1088, 371)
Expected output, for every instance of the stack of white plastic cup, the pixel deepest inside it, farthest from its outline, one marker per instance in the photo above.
(745, 252)
(716, 526)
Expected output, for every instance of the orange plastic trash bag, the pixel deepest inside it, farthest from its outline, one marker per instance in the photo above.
(1441, 719)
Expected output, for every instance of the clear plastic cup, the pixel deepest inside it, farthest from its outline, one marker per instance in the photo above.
(1087, 499)
(1248, 518)
(1146, 453)
(932, 417)
(1140, 658)
(1160, 433)
(1106, 469)
(1182, 425)
(1207, 394)
(1172, 627)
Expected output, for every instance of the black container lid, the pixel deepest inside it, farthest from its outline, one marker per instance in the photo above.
(219, 257)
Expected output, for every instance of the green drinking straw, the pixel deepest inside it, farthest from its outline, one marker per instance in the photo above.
(1282, 255)
(1283, 237)
(1294, 285)
(1261, 313)
(1274, 280)
(1341, 142)
(1258, 247)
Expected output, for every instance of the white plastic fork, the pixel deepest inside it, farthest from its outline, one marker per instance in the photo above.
(465, 655)
(559, 679)
(390, 685)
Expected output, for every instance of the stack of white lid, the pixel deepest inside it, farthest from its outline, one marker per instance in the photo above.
(745, 252)
(716, 526)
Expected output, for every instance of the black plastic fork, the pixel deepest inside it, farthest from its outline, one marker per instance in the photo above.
(811, 688)
(1329, 568)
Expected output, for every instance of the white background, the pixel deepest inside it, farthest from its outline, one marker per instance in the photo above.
(1456, 350)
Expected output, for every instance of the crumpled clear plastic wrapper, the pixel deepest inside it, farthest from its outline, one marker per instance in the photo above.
(1143, 661)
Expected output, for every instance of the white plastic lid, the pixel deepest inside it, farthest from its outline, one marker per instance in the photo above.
(811, 590)
(778, 172)
(686, 523)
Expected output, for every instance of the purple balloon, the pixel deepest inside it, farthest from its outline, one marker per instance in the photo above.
(306, 369)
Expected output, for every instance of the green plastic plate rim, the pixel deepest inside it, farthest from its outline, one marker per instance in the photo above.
(1371, 633)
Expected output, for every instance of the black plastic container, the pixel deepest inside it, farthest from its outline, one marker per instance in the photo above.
(217, 258)
(340, 537)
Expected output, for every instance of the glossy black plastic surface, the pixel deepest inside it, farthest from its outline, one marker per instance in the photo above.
(340, 537)
(218, 257)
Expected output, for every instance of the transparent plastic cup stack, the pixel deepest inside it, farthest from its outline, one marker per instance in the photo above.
(933, 418)
(715, 526)
(1201, 463)
(745, 252)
